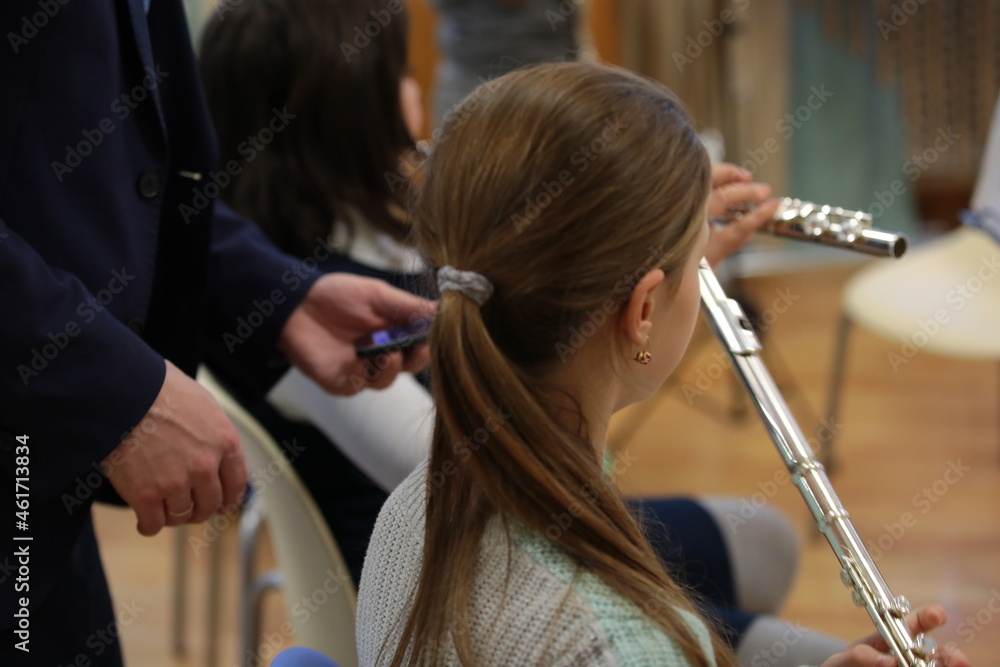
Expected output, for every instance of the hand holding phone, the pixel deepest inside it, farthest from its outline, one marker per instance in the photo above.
(396, 338)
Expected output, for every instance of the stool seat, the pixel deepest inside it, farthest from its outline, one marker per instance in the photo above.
(943, 297)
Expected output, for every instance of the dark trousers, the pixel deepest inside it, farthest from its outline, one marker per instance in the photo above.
(688, 542)
(75, 623)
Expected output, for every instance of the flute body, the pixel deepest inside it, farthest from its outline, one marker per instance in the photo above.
(829, 225)
(859, 571)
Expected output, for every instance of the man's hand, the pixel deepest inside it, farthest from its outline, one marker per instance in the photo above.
(731, 187)
(183, 462)
(872, 651)
(338, 310)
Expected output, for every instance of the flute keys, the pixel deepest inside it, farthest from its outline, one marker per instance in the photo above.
(814, 224)
(850, 229)
(856, 597)
(924, 647)
(902, 607)
(845, 578)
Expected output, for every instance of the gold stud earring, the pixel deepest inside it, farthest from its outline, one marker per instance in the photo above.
(643, 357)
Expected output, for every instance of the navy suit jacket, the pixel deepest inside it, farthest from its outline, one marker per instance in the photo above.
(112, 256)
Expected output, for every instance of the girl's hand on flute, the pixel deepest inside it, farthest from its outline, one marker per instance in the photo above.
(732, 188)
(872, 650)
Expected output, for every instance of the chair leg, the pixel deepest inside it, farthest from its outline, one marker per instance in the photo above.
(252, 588)
(270, 580)
(828, 430)
(214, 596)
(250, 523)
(180, 592)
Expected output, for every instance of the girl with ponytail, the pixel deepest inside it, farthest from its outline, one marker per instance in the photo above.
(565, 209)
(330, 189)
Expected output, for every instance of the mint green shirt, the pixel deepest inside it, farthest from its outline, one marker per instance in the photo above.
(531, 604)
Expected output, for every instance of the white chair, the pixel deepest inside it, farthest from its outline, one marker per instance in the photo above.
(319, 594)
(942, 298)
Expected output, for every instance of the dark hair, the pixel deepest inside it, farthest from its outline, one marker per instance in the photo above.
(336, 66)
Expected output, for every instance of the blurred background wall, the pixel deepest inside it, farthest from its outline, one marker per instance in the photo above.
(880, 105)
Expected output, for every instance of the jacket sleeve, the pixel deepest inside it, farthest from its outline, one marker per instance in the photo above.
(253, 290)
(75, 380)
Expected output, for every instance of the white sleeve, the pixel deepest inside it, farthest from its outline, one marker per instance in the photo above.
(386, 433)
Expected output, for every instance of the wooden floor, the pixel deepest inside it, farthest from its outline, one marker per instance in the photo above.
(899, 435)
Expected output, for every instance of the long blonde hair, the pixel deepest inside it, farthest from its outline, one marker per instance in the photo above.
(562, 184)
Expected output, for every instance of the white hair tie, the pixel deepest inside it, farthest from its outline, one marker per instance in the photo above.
(469, 283)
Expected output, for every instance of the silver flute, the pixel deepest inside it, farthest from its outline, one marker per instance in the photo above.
(806, 221)
(887, 611)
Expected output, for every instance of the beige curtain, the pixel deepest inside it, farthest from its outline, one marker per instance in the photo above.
(727, 59)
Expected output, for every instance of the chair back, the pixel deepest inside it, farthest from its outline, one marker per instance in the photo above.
(319, 594)
(943, 297)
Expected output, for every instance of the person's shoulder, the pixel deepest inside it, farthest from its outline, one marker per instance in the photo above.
(527, 609)
(392, 566)
(617, 626)
(404, 512)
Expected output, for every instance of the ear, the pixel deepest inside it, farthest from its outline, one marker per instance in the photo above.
(636, 319)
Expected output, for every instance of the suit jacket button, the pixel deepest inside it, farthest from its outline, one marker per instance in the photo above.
(149, 184)
(136, 326)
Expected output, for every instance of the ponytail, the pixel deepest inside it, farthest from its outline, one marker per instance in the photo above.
(490, 361)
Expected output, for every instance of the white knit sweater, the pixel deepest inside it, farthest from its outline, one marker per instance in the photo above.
(531, 604)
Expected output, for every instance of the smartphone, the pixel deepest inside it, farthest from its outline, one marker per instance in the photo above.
(396, 338)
